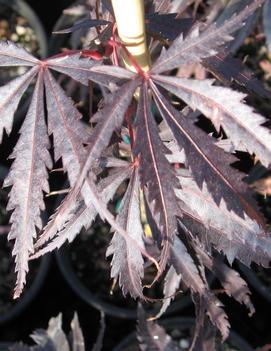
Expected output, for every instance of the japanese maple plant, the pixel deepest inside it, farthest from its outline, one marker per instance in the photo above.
(196, 202)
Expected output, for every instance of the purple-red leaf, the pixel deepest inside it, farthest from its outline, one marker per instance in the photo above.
(28, 178)
(11, 94)
(67, 129)
(81, 216)
(207, 162)
(127, 262)
(74, 66)
(156, 175)
(236, 237)
(197, 46)
(13, 55)
(224, 107)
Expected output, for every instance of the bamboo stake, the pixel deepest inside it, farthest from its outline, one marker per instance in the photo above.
(130, 20)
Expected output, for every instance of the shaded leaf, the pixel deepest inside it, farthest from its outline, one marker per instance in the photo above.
(197, 46)
(184, 265)
(84, 24)
(230, 279)
(151, 336)
(229, 69)
(78, 343)
(171, 285)
(166, 26)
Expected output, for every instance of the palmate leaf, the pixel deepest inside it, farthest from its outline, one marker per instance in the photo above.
(224, 107)
(127, 262)
(157, 178)
(28, 178)
(197, 46)
(237, 237)
(207, 162)
(32, 158)
(109, 118)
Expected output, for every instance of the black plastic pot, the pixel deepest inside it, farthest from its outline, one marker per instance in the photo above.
(57, 41)
(29, 293)
(183, 324)
(253, 280)
(93, 300)
(24, 10)
(5, 346)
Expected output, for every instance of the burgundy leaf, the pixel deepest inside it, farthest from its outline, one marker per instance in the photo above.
(67, 129)
(185, 266)
(84, 24)
(229, 69)
(171, 285)
(230, 279)
(13, 55)
(197, 46)
(80, 217)
(225, 108)
(235, 236)
(11, 94)
(109, 119)
(167, 26)
(110, 75)
(28, 178)
(208, 163)
(74, 66)
(151, 336)
(156, 175)
(127, 262)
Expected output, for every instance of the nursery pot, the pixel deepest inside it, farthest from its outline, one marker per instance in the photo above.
(254, 280)
(24, 10)
(183, 325)
(58, 41)
(93, 299)
(29, 293)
